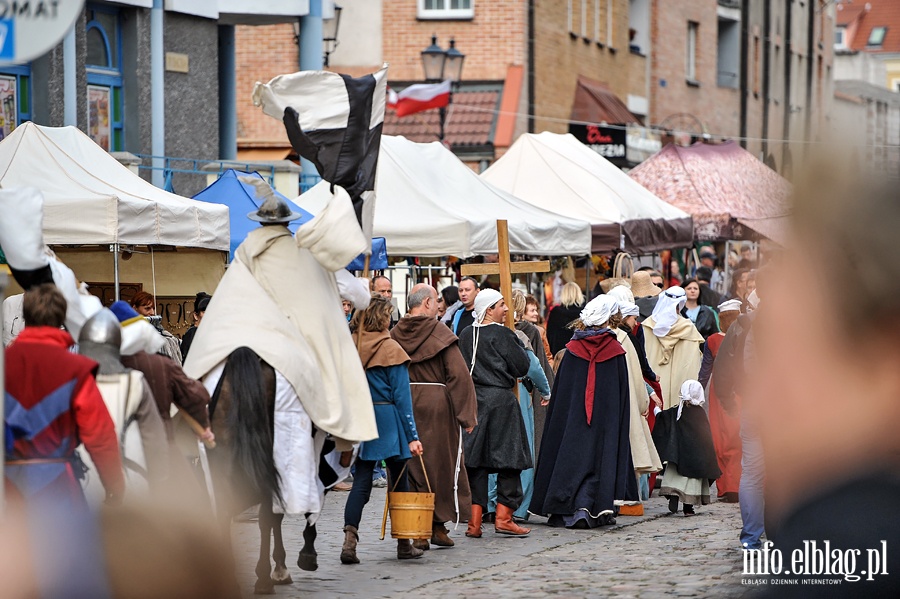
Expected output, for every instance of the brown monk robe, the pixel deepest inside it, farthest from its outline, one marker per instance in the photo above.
(443, 401)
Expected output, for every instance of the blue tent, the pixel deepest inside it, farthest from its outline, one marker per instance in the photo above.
(240, 197)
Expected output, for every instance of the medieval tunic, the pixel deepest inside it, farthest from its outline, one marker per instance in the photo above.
(585, 462)
(499, 441)
(675, 357)
(725, 428)
(388, 375)
(685, 444)
(643, 452)
(540, 412)
(51, 404)
(443, 399)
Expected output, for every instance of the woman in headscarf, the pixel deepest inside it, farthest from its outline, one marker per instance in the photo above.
(585, 461)
(672, 343)
(643, 451)
(534, 396)
(499, 442)
(386, 368)
(685, 444)
(725, 426)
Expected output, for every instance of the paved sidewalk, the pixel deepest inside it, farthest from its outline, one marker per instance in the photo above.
(648, 555)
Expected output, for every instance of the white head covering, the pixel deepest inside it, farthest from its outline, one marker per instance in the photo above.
(628, 308)
(621, 293)
(692, 392)
(668, 308)
(732, 305)
(598, 310)
(753, 299)
(484, 300)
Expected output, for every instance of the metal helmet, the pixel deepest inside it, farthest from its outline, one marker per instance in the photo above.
(272, 209)
(100, 339)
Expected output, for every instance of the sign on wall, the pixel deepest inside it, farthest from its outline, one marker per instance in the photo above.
(29, 30)
(607, 141)
(99, 115)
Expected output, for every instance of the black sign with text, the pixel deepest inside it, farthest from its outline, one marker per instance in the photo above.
(609, 142)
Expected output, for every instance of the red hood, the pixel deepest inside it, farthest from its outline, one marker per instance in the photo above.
(595, 347)
(46, 335)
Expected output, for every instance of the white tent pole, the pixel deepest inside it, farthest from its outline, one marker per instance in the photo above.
(115, 250)
(2, 407)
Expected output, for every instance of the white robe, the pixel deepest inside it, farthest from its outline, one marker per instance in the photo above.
(675, 358)
(643, 450)
(276, 299)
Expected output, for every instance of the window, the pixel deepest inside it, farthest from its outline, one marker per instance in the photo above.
(691, 59)
(610, 41)
(840, 38)
(876, 37)
(446, 9)
(104, 78)
(728, 55)
(15, 98)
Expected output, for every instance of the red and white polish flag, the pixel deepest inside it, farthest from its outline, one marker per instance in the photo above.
(419, 97)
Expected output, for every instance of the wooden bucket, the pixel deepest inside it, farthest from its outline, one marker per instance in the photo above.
(411, 513)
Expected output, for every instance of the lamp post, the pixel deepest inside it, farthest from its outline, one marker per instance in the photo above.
(330, 28)
(443, 65)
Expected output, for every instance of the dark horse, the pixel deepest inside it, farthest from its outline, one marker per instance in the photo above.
(243, 466)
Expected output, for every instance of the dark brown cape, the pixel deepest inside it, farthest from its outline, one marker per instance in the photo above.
(440, 409)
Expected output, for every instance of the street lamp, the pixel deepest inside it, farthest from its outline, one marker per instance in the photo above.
(443, 65)
(330, 29)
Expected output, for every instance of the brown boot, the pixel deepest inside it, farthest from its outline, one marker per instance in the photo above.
(422, 544)
(504, 524)
(405, 550)
(348, 551)
(474, 529)
(440, 536)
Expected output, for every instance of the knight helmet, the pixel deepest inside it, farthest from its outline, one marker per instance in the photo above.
(101, 339)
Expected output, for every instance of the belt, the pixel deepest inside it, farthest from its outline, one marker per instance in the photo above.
(382, 403)
(37, 461)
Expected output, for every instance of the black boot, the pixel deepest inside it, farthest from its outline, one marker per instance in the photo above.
(673, 504)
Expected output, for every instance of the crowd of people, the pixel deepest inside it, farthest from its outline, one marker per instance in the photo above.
(576, 415)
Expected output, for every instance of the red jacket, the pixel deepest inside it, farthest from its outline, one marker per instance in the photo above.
(52, 405)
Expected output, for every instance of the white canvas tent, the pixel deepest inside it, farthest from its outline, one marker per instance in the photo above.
(428, 203)
(558, 172)
(90, 198)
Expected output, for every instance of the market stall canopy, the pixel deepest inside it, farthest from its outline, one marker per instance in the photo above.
(428, 203)
(719, 185)
(557, 172)
(89, 198)
(235, 190)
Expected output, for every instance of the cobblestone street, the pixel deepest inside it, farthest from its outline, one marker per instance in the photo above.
(654, 555)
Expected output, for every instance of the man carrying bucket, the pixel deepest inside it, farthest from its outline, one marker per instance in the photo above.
(385, 363)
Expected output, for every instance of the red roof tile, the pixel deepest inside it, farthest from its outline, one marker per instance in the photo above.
(881, 13)
(470, 120)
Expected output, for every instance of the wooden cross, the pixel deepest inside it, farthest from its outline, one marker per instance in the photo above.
(505, 268)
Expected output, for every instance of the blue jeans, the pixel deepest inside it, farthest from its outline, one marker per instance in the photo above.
(752, 487)
(362, 487)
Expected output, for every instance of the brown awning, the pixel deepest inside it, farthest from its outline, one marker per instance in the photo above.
(595, 103)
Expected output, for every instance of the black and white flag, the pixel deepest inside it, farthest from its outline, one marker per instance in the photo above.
(335, 122)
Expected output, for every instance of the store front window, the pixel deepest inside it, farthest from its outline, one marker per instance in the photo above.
(104, 78)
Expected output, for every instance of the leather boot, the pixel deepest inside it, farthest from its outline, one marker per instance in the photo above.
(405, 550)
(504, 523)
(474, 528)
(348, 551)
(422, 544)
(440, 536)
